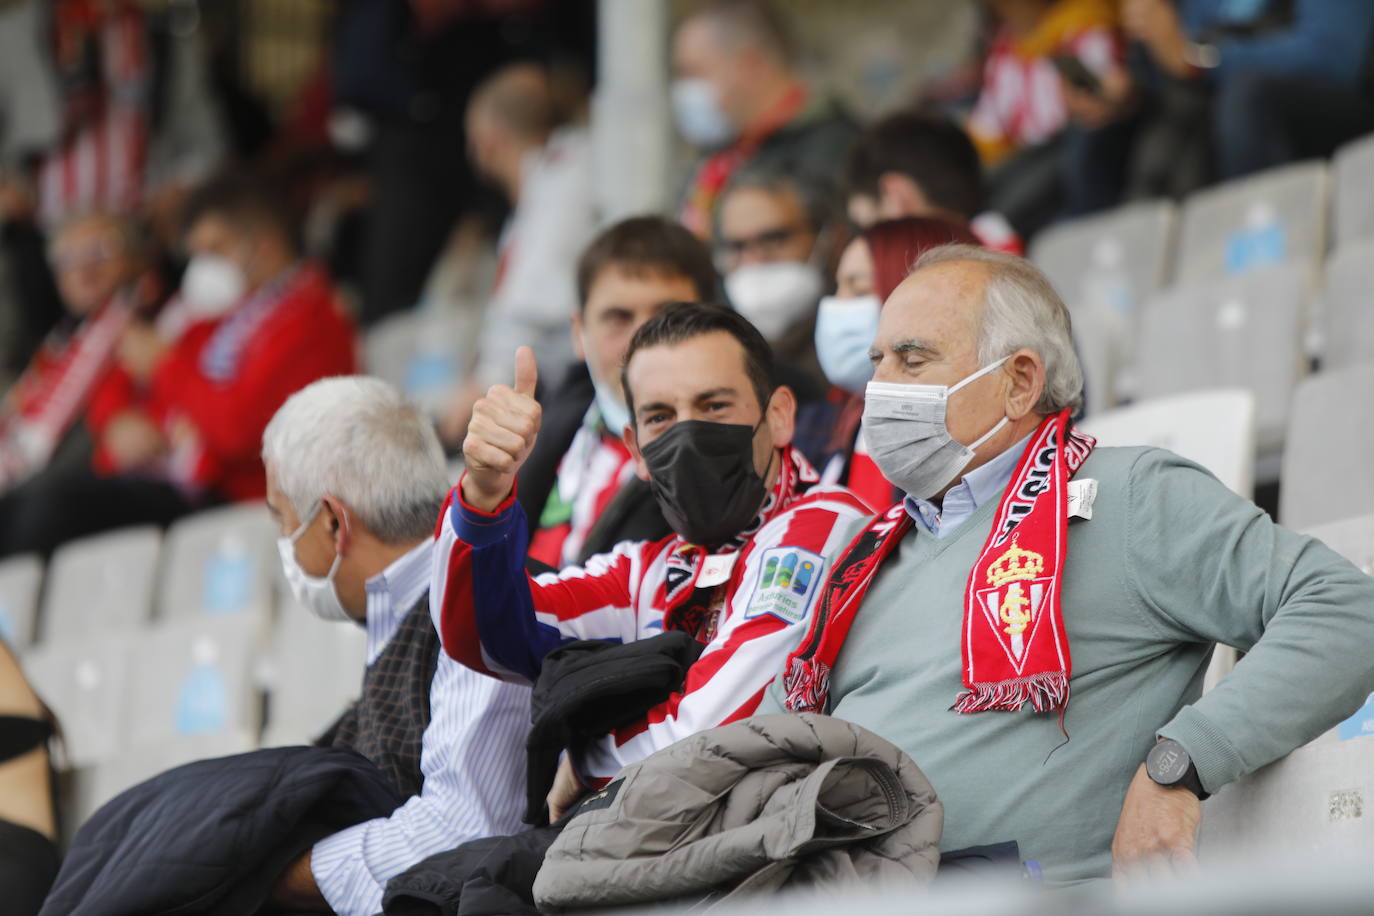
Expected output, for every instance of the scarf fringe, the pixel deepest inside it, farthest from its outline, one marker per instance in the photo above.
(1042, 691)
(808, 685)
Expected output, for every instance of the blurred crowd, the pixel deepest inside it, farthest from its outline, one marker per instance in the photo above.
(176, 264)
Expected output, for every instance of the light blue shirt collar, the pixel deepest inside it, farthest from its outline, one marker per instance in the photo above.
(393, 592)
(978, 486)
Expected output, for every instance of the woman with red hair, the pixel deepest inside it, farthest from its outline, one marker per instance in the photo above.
(870, 268)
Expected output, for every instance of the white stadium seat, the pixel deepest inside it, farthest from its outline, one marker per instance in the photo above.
(1268, 218)
(191, 678)
(1214, 428)
(1347, 326)
(104, 582)
(1326, 464)
(1242, 331)
(21, 578)
(422, 352)
(86, 686)
(1353, 194)
(1105, 267)
(315, 673)
(219, 562)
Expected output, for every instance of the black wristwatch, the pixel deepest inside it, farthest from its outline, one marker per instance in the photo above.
(1169, 765)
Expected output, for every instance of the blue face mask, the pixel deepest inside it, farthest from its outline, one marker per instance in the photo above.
(845, 329)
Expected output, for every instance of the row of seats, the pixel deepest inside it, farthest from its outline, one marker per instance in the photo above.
(1233, 287)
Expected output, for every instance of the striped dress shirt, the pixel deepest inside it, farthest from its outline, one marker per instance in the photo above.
(472, 758)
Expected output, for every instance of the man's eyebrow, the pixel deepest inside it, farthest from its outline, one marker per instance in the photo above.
(652, 407)
(913, 345)
(716, 393)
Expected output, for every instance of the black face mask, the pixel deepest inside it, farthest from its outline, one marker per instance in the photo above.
(703, 476)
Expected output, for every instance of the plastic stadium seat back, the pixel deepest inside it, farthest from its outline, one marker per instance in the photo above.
(85, 683)
(1347, 317)
(1353, 207)
(21, 579)
(195, 678)
(424, 352)
(316, 672)
(219, 563)
(105, 582)
(1216, 429)
(1326, 463)
(1239, 332)
(1249, 223)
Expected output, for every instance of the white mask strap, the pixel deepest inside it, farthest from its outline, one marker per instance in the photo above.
(989, 434)
(979, 374)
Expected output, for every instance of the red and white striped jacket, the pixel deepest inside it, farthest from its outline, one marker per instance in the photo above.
(749, 604)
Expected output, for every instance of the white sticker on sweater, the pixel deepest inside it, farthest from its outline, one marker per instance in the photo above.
(1082, 493)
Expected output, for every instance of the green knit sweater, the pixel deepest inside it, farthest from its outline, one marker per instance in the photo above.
(1170, 563)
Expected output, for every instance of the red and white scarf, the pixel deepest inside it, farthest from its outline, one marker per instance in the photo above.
(1015, 650)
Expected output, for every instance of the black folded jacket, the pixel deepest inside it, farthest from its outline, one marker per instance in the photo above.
(589, 688)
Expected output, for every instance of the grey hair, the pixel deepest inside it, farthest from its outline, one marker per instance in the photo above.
(1021, 309)
(356, 438)
(815, 193)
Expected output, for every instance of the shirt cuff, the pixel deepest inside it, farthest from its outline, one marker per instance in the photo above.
(476, 527)
(337, 864)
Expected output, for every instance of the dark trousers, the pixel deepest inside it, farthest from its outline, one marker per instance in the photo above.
(28, 865)
(1263, 121)
(53, 508)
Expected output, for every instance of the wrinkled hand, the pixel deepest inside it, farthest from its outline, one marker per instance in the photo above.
(1155, 24)
(567, 790)
(502, 432)
(141, 349)
(1156, 835)
(296, 889)
(132, 440)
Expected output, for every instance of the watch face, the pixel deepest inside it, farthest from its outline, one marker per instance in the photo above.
(1167, 763)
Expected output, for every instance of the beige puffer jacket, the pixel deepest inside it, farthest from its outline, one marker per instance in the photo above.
(761, 804)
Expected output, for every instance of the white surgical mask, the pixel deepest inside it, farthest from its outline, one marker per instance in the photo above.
(905, 430)
(845, 329)
(700, 119)
(212, 285)
(316, 593)
(774, 295)
(614, 414)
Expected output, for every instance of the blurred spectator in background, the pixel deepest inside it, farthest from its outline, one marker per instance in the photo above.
(545, 172)
(871, 267)
(178, 424)
(1019, 119)
(356, 478)
(776, 235)
(104, 105)
(402, 76)
(737, 97)
(102, 281)
(911, 164)
(578, 488)
(28, 817)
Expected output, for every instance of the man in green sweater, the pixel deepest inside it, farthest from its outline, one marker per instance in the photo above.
(1034, 621)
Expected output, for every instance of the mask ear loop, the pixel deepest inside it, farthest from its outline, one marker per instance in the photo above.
(973, 378)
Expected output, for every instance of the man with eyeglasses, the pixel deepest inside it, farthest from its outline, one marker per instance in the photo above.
(774, 246)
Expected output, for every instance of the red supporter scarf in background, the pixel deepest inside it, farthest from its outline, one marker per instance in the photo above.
(1015, 650)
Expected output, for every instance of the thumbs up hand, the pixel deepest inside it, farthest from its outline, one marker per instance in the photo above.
(504, 426)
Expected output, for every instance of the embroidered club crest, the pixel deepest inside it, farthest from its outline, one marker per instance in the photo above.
(1016, 592)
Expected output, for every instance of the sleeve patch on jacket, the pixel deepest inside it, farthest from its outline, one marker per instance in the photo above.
(789, 580)
(601, 799)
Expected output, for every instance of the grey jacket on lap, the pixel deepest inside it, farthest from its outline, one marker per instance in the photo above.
(761, 804)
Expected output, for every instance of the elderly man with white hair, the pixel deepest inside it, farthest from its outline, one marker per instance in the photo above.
(355, 481)
(1032, 623)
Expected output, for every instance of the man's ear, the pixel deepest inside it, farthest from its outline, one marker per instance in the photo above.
(781, 416)
(576, 331)
(339, 521)
(630, 436)
(1027, 374)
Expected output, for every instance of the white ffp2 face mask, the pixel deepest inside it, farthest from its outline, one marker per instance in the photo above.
(905, 430)
(317, 593)
(774, 295)
(212, 285)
